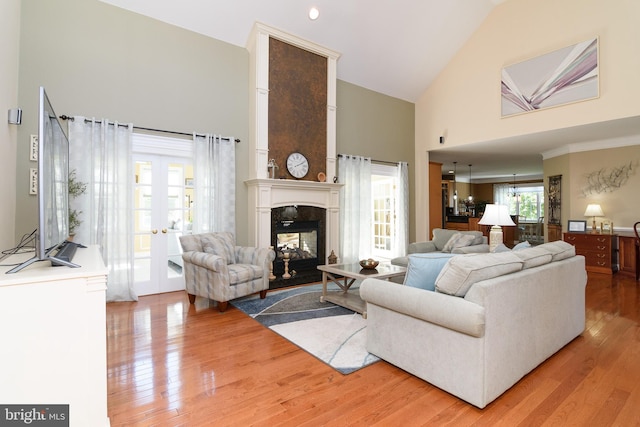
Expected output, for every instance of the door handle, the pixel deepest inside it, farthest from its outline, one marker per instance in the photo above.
(164, 231)
(154, 231)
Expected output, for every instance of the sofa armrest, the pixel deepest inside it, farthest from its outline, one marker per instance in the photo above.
(444, 310)
(205, 260)
(255, 256)
(473, 249)
(421, 247)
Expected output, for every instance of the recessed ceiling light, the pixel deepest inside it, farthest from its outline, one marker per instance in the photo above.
(314, 13)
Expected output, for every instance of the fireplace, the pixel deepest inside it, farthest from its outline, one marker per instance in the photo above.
(299, 234)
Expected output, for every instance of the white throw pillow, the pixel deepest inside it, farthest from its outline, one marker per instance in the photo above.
(458, 240)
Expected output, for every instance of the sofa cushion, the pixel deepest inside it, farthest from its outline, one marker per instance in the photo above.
(423, 269)
(441, 237)
(242, 273)
(458, 240)
(559, 249)
(533, 257)
(462, 271)
(221, 244)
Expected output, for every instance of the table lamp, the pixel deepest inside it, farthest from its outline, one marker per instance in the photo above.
(593, 210)
(496, 216)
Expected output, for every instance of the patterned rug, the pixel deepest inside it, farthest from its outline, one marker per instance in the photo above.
(333, 334)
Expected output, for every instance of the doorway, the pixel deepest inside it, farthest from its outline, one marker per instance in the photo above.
(163, 211)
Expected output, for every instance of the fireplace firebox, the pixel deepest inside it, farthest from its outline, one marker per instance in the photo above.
(297, 233)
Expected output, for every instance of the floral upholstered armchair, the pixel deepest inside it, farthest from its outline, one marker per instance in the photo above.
(215, 268)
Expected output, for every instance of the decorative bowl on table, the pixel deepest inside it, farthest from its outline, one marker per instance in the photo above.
(369, 263)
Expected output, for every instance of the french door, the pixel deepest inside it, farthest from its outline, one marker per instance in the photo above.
(163, 210)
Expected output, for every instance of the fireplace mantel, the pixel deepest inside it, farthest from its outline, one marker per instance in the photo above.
(265, 194)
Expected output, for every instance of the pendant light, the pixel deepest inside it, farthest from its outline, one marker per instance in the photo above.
(470, 196)
(455, 190)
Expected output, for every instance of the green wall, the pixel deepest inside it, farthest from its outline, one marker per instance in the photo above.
(377, 126)
(98, 60)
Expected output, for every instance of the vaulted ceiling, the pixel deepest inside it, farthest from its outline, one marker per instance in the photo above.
(395, 48)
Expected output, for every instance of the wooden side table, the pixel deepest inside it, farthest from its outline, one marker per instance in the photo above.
(600, 250)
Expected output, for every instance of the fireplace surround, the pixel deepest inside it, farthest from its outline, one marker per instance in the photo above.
(315, 201)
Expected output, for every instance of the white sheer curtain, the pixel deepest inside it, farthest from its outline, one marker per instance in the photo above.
(100, 153)
(214, 163)
(401, 237)
(355, 208)
(501, 194)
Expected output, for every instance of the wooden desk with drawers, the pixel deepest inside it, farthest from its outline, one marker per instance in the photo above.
(600, 250)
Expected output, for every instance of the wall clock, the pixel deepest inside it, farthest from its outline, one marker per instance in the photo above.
(297, 165)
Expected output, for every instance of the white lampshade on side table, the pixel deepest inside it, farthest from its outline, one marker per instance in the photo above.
(496, 216)
(593, 210)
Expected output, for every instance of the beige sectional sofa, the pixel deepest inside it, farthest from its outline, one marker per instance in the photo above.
(442, 242)
(491, 320)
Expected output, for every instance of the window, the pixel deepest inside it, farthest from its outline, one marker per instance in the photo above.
(383, 195)
(527, 202)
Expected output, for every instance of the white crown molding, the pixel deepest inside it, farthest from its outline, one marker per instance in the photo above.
(625, 141)
(291, 39)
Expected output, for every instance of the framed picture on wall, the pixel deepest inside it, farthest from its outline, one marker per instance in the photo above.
(606, 227)
(577, 226)
(554, 197)
(564, 76)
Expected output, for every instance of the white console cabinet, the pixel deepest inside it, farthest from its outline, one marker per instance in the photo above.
(53, 333)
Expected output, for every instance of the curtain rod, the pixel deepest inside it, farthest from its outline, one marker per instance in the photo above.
(377, 161)
(65, 117)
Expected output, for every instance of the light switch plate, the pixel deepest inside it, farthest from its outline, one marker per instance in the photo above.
(33, 181)
(33, 150)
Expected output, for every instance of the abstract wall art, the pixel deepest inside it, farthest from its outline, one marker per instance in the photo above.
(560, 77)
(608, 180)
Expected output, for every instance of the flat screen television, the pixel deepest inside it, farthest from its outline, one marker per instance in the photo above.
(53, 187)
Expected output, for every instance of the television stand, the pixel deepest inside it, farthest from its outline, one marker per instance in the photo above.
(55, 333)
(65, 254)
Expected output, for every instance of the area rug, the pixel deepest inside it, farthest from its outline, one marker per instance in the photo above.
(333, 334)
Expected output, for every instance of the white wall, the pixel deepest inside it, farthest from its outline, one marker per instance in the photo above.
(9, 43)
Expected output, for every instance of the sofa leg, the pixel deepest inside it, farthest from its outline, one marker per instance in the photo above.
(222, 306)
(263, 294)
(192, 299)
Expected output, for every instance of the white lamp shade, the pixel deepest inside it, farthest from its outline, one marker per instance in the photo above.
(593, 210)
(496, 215)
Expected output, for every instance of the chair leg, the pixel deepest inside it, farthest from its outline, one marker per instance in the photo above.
(637, 262)
(263, 294)
(222, 306)
(192, 299)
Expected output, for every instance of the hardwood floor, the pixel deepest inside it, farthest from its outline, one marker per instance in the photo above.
(173, 364)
